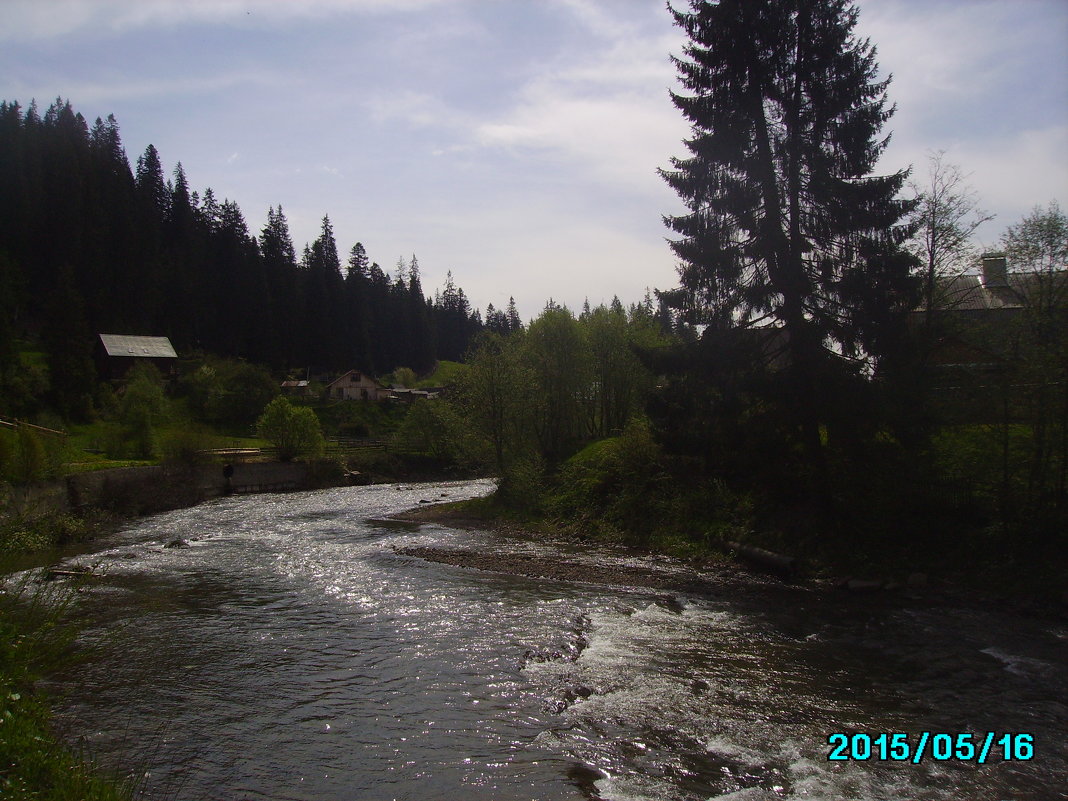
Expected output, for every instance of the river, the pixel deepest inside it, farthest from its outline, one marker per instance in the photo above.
(290, 653)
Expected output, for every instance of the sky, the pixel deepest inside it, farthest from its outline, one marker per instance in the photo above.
(513, 142)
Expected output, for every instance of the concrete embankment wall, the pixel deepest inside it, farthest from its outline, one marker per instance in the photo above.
(145, 490)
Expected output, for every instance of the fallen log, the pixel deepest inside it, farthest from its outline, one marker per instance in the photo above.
(769, 561)
(54, 573)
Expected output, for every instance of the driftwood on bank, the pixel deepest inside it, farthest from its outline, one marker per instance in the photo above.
(54, 573)
(769, 561)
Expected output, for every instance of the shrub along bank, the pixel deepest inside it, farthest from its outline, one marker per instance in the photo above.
(627, 490)
(34, 763)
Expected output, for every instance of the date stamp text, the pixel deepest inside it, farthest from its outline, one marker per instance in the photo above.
(939, 746)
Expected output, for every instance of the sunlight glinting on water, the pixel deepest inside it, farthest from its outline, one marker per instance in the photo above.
(290, 653)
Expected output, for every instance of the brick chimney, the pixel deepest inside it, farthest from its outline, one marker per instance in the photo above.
(995, 272)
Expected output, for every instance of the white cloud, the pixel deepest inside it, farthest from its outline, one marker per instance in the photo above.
(537, 251)
(607, 114)
(1015, 173)
(597, 19)
(130, 86)
(48, 19)
(941, 50)
(415, 108)
(967, 79)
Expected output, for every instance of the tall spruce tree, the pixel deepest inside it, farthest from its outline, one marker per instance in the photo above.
(421, 333)
(325, 300)
(514, 323)
(130, 252)
(358, 309)
(286, 289)
(787, 225)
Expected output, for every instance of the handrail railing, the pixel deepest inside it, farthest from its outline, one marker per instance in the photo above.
(13, 424)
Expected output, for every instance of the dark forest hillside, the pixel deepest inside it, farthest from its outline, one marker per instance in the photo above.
(90, 244)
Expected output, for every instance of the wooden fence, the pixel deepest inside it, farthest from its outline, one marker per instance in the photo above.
(335, 446)
(14, 424)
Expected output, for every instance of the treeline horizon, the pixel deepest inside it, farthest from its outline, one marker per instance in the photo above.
(90, 244)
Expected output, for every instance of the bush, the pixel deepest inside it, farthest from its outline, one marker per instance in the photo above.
(7, 453)
(522, 486)
(228, 391)
(292, 430)
(142, 407)
(625, 488)
(29, 461)
(36, 636)
(404, 377)
(354, 430)
(28, 534)
(187, 446)
(436, 429)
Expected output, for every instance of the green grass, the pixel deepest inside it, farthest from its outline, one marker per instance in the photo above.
(26, 535)
(88, 441)
(445, 373)
(34, 764)
(93, 463)
(359, 419)
(34, 358)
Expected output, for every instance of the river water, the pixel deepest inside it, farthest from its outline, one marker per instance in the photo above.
(290, 653)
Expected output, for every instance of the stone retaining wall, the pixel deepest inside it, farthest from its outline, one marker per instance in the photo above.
(157, 488)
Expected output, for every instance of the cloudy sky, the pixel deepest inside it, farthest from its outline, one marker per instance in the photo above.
(514, 142)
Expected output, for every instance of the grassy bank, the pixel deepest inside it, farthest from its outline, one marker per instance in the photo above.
(888, 525)
(34, 762)
(34, 642)
(20, 534)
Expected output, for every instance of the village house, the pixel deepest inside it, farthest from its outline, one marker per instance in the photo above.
(116, 354)
(983, 335)
(976, 319)
(296, 388)
(410, 395)
(355, 385)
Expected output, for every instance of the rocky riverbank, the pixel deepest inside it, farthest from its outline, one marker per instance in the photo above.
(704, 577)
(676, 576)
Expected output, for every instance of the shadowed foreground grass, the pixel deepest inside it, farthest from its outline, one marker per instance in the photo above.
(34, 641)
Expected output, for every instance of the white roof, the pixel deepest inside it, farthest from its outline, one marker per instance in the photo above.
(142, 347)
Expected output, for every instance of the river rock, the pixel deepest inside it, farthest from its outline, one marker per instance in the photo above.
(861, 585)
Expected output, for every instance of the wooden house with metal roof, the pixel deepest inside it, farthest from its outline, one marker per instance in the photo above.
(115, 354)
(355, 385)
(982, 329)
(975, 320)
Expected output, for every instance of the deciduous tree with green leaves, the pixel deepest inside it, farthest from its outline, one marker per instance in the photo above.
(1038, 245)
(293, 430)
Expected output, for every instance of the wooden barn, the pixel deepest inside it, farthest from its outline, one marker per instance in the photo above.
(115, 354)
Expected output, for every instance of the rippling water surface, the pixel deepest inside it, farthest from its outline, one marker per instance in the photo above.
(290, 653)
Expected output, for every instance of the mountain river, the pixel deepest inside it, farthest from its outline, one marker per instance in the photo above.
(291, 653)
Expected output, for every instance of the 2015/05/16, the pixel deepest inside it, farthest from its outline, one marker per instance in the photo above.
(898, 747)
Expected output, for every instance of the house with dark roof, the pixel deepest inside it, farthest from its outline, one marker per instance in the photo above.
(297, 388)
(408, 395)
(355, 385)
(975, 318)
(981, 329)
(115, 354)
